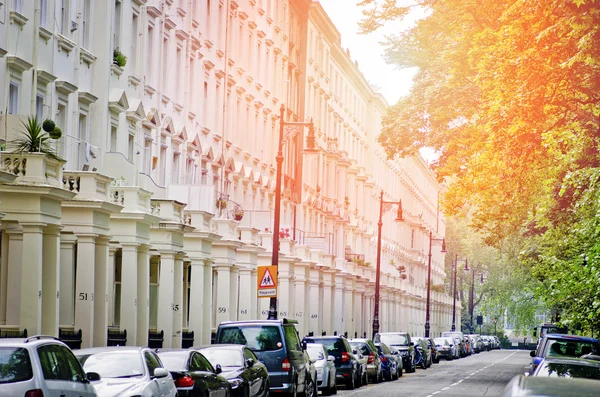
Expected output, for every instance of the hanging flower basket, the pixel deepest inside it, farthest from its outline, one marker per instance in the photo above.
(238, 214)
(221, 204)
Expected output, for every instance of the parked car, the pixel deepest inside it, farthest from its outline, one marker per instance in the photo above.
(562, 345)
(458, 335)
(476, 342)
(424, 350)
(247, 376)
(435, 355)
(368, 348)
(568, 368)
(390, 361)
(527, 386)
(349, 369)
(127, 370)
(446, 348)
(42, 366)
(193, 374)
(401, 341)
(277, 345)
(325, 367)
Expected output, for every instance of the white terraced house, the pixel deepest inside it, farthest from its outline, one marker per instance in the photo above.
(154, 218)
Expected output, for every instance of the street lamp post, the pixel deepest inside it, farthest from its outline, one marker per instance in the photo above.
(377, 270)
(454, 302)
(286, 131)
(472, 295)
(427, 312)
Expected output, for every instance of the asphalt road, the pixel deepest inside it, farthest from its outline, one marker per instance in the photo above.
(483, 374)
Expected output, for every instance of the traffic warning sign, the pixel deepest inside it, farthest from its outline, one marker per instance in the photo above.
(267, 281)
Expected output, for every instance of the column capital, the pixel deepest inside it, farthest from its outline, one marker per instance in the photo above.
(102, 239)
(32, 227)
(53, 229)
(129, 246)
(144, 248)
(86, 237)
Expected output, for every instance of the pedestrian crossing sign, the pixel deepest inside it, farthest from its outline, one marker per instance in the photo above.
(267, 282)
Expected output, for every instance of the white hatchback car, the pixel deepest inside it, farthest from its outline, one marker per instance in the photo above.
(42, 366)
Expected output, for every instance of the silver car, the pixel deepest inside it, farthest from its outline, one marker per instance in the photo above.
(42, 365)
(127, 371)
(325, 365)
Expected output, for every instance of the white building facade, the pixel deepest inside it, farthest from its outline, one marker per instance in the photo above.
(161, 206)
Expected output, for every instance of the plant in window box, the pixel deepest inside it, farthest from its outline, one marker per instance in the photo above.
(118, 58)
(238, 213)
(34, 137)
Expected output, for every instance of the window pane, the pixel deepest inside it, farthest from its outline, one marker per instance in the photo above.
(291, 337)
(15, 365)
(257, 338)
(59, 363)
(13, 98)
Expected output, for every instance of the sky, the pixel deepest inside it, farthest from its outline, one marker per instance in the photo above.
(367, 50)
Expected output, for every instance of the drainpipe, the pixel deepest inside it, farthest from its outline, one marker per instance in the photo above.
(36, 38)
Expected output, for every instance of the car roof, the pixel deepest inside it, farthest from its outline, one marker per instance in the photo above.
(325, 337)
(572, 361)
(393, 333)
(223, 346)
(283, 321)
(535, 386)
(364, 340)
(32, 340)
(109, 349)
(571, 337)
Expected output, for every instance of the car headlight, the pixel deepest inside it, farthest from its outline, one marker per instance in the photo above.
(404, 353)
(319, 370)
(235, 383)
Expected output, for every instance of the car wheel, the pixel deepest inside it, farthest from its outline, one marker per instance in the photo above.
(395, 374)
(267, 392)
(358, 380)
(350, 383)
(311, 388)
(400, 372)
(294, 392)
(334, 389)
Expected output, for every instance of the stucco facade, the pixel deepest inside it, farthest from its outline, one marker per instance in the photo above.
(162, 206)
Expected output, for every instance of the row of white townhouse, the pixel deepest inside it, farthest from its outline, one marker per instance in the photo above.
(160, 205)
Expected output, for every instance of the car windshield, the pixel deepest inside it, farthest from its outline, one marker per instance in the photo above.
(256, 337)
(568, 348)
(113, 364)
(15, 365)
(362, 346)
(223, 357)
(315, 352)
(335, 347)
(394, 339)
(440, 341)
(569, 370)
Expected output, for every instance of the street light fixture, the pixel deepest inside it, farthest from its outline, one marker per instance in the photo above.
(454, 302)
(472, 295)
(427, 316)
(286, 131)
(377, 271)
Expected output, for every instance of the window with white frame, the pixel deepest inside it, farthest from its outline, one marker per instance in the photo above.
(39, 107)
(64, 16)
(190, 169)
(178, 80)
(133, 56)
(18, 6)
(117, 25)
(175, 169)
(113, 137)
(150, 55)
(147, 151)
(163, 163)
(13, 98)
(85, 21)
(61, 122)
(44, 13)
(131, 146)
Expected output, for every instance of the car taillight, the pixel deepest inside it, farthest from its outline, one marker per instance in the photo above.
(383, 359)
(184, 381)
(371, 358)
(345, 357)
(34, 393)
(285, 365)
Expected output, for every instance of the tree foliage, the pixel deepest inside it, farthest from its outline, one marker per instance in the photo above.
(508, 92)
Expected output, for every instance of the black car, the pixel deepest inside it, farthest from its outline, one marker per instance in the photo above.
(277, 345)
(390, 361)
(403, 342)
(193, 374)
(246, 374)
(348, 370)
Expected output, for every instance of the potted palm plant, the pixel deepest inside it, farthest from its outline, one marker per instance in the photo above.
(34, 138)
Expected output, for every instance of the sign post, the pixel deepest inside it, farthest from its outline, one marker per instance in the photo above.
(267, 282)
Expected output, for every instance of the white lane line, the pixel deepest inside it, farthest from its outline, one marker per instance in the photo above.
(445, 388)
(455, 384)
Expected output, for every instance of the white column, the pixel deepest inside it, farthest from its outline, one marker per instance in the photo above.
(165, 297)
(254, 307)
(67, 281)
(101, 287)
(197, 303)
(234, 293)
(14, 271)
(208, 306)
(51, 280)
(349, 308)
(246, 297)
(177, 303)
(328, 303)
(3, 275)
(129, 280)
(143, 294)
(84, 287)
(312, 311)
(338, 313)
(301, 312)
(358, 322)
(31, 278)
(223, 293)
(284, 292)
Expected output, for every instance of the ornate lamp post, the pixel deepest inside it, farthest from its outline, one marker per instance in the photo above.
(454, 303)
(472, 295)
(427, 315)
(377, 270)
(286, 131)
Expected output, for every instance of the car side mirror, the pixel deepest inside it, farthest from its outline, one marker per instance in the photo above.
(355, 352)
(250, 362)
(532, 353)
(313, 360)
(218, 368)
(330, 358)
(303, 344)
(160, 372)
(93, 376)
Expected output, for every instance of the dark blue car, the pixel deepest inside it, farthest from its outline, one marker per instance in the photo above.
(559, 345)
